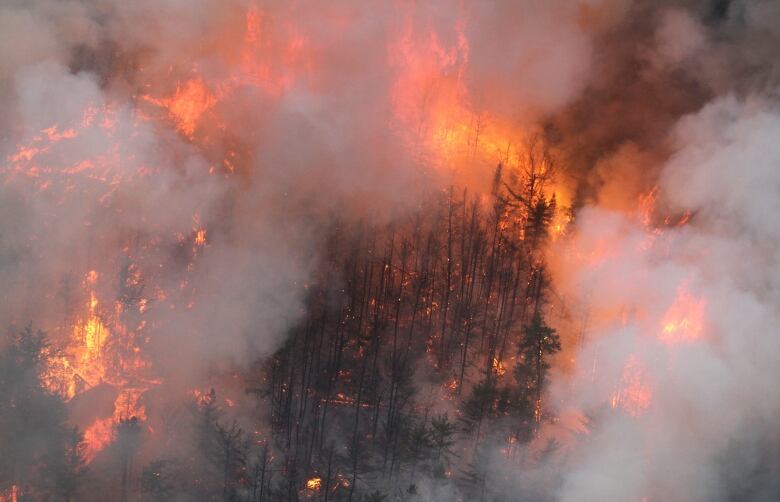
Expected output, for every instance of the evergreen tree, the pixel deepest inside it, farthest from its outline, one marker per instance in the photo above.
(223, 449)
(442, 437)
(539, 342)
(418, 446)
(42, 456)
(159, 480)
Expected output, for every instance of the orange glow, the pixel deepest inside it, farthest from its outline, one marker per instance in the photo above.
(647, 206)
(560, 224)
(187, 105)
(102, 432)
(684, 320)
(97, 436)
(440, 119)
(102, 350)
(430, 100)
(314, 483)
(253, 19)
(128, 405)
(46, 160)
(84, 366)
(633, 394)
(200, 238)
(498, 367)
(11, 495)
(271, 56)
(451, 385)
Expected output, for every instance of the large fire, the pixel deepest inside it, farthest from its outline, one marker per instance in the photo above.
(434, 111)
(177, 184)
(104, 344)
(654, 335)
(96, 354)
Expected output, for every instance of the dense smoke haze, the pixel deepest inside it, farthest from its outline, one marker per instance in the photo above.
(354, 250)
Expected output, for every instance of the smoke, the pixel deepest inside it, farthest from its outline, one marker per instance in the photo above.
(204, 148)
(319, 112)
(677, 347)
(706, 393)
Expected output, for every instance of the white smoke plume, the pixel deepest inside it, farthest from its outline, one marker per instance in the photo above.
(294, 115)
(313, 120)
(676, 308)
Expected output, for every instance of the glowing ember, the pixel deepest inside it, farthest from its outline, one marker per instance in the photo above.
(200, 238)
(314, 483)
(451, 385)
(10, 495)
(498, 367)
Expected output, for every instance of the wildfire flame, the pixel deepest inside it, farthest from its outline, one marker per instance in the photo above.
(683, 322)
(440, 120)
(187, 105)
(498, 367)
(200, 238)
(90, 358)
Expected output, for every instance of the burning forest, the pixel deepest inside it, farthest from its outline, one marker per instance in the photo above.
(377, 251)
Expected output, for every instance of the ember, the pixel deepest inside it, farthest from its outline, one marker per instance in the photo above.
(348, 251)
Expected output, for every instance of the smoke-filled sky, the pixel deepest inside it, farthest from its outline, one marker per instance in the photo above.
(128, 127)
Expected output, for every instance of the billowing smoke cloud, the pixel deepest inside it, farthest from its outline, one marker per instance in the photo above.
(682, 323)
(187, 158)
(676, 307)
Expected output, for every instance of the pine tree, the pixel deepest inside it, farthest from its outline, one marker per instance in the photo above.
(538, 343)
(223, 449)
(126, 444)
(42, 456)
(418, 446)
(442, 437)
(159, 480)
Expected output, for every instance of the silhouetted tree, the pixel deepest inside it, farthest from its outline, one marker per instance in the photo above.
(42, 456)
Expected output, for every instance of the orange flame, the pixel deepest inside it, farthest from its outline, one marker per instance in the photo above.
(97, 436)
(91, 359)
(11, 495)
(498, 367)
(187, 105)
(684, 321)
(200, 238)
(102, 432)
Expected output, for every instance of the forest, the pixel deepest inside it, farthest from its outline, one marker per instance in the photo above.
(399, 251)
(424, 342)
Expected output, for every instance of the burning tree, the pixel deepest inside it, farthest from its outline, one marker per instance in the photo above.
(369, 267)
